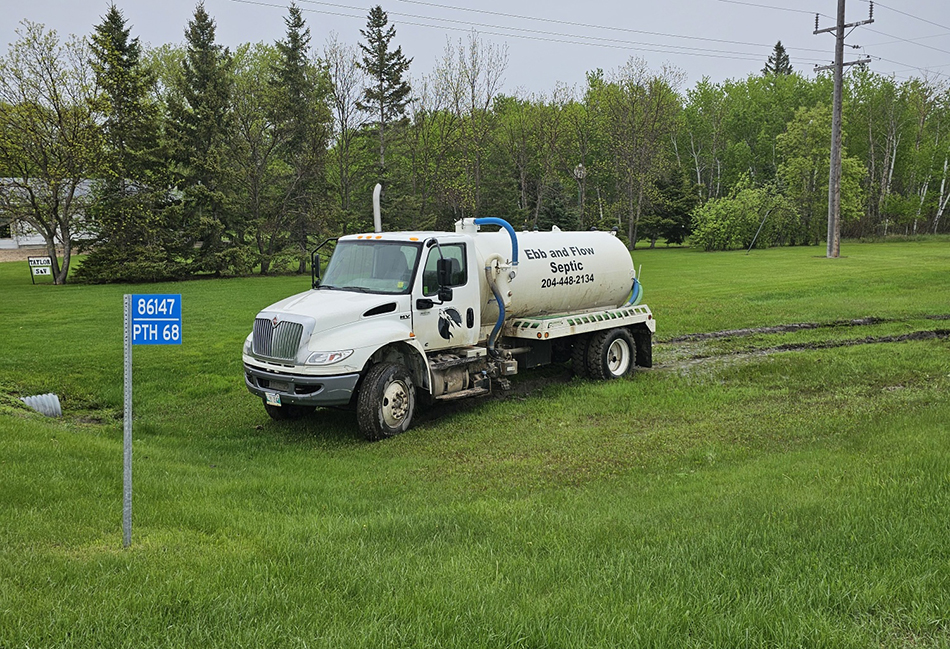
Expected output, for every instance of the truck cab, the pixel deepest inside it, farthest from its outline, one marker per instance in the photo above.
(392, 299)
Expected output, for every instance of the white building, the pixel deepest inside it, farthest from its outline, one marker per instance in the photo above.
(17, 234)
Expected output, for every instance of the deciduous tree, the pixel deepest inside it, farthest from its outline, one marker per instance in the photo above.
(50, 140)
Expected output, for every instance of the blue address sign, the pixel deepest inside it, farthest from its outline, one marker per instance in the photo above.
(156, 319)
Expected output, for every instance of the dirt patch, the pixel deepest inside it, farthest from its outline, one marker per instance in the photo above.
(20, 254)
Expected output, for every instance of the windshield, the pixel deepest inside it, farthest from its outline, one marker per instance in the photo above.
(372, 266)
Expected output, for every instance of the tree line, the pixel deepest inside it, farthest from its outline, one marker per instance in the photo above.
(179, 161)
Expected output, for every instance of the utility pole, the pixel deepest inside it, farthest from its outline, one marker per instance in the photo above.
(834, 174)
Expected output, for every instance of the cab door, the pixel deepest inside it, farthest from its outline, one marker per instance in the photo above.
(453, 322)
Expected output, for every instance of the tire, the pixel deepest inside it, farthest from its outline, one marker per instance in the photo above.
(290, 412)
(579, 355)
(386, 401)
(610, 354)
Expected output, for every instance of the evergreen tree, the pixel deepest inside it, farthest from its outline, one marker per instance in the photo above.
(200, 121)
(131, 238)
(387, 94)
(778, 62)
(291, 80)
(676, 198)
(301, 120)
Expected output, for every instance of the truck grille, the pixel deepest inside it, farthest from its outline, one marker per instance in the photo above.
(278, 341)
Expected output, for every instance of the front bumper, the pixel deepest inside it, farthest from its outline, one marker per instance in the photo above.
(299, 389)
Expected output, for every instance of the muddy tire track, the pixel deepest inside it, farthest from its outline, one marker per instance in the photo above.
(686, 361)
(791, 328)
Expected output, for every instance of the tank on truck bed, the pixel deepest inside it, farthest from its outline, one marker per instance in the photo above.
(404, 316)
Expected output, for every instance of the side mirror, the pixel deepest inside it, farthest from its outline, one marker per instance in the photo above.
(443, 269)
(445, 294)
(424, 304)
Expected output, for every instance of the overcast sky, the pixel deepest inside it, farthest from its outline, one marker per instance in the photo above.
(551, 41)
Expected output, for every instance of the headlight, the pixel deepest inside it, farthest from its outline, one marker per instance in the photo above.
(247, 345)
(328, 358)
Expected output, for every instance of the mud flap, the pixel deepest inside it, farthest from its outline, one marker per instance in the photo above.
(643, 339)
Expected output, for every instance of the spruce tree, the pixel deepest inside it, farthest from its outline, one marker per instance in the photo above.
(290, 80)
(200, 122)
(131, 238)
(387, 94)
(778, 62)
(300, 117)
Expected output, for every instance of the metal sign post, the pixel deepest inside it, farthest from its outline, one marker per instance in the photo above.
(149, 320)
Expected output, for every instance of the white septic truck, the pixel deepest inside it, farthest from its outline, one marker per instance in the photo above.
(401, 316)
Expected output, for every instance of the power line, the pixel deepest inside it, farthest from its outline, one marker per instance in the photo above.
(919, 38)
(546, 33)
(904, 13)
(585, 25)
(913, 67)
(907, 40)
(540, 35)
(761, 6)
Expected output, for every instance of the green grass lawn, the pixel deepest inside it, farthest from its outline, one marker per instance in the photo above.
(736, 495)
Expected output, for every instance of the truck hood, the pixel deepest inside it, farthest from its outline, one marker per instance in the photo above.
(329, 309)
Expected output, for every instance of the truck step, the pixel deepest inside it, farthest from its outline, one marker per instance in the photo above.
(461, 394)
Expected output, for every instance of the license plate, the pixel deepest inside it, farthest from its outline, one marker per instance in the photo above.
(273, 399)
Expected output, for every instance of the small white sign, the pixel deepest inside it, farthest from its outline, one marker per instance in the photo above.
(40, 267)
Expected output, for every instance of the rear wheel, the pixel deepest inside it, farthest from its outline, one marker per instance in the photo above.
(288, 412)
(610, 354)
(579, 355)
(386, 401)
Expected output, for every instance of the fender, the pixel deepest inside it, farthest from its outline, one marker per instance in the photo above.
(373, 336)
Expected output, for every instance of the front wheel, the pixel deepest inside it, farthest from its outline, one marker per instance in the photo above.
(610, 354)
(386, 401)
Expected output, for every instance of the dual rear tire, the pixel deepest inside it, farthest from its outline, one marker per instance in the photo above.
(604, 355)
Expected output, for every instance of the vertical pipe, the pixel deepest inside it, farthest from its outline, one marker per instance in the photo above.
(377, 211)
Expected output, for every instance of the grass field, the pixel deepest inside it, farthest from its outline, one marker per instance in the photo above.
(762, 488)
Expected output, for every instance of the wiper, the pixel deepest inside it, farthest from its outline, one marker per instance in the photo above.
(358, 289)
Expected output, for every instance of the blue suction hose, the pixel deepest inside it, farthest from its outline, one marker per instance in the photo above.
(636, 293)
(491, 220)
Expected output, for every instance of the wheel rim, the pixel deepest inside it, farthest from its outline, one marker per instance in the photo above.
(618, 357)
(396, 404)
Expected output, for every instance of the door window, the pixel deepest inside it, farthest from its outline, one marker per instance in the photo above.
(458, 276)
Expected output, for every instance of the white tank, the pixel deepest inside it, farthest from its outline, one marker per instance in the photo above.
(557, 272)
